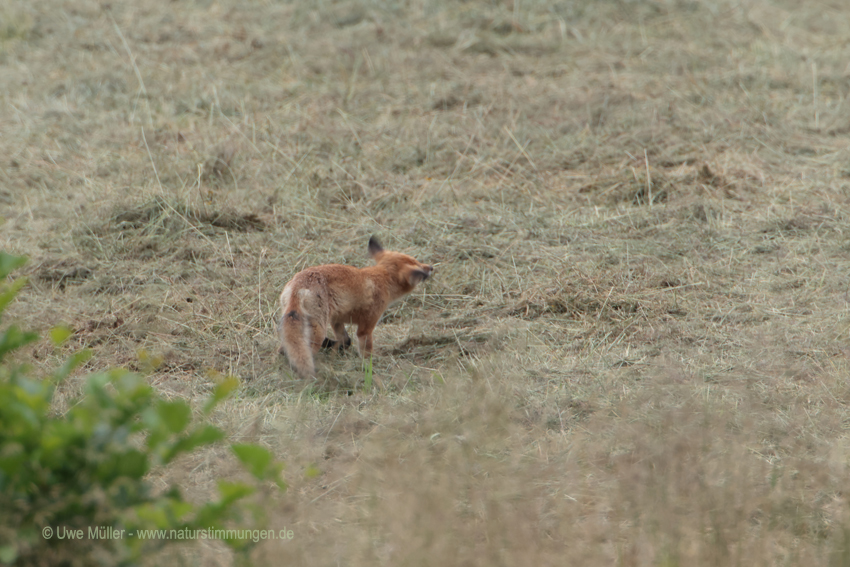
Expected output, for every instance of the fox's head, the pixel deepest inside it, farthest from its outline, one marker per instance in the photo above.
(406, 270)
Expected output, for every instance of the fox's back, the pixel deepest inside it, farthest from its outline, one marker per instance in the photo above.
(346, 289)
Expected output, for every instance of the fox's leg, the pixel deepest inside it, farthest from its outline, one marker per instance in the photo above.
(341, 339)
(364, 338)
(341, 335)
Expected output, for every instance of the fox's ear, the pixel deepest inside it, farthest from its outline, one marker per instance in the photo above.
(375, 247)
(417, 276)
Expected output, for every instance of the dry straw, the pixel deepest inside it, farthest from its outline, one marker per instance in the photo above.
(634, 349)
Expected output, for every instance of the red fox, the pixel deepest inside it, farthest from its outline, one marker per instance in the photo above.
(335, 295)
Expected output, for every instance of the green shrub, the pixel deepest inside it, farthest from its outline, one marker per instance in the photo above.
(85, 469)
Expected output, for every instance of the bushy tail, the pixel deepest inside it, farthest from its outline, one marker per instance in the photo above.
(295, 342)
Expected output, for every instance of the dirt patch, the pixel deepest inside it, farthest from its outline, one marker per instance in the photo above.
(424, 347)
(165, 216)
(62, 273)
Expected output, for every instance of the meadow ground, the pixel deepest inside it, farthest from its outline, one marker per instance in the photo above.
(635, 348)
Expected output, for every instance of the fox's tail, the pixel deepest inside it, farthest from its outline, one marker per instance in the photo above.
(295, 341)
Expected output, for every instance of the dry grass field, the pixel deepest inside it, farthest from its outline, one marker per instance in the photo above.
(634, 350)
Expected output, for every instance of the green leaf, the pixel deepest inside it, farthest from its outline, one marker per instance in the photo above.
(95, 383)
(152, 515)
(181, 509)
(255, 458)
(74, 361)
(221, 391)
(8, 554)
(233, 491)
(15, 338)
(9, 263)
(203, 436)
(175, 415)
(210, 515)
(35, 394)
(166, 512)
(133, 464)
(60, 334)
(151, 419)
(12, 458)
(10, 292)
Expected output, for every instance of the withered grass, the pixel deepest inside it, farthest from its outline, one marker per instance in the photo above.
(634, 350)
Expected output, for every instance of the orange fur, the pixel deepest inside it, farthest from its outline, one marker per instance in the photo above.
(335, 295)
